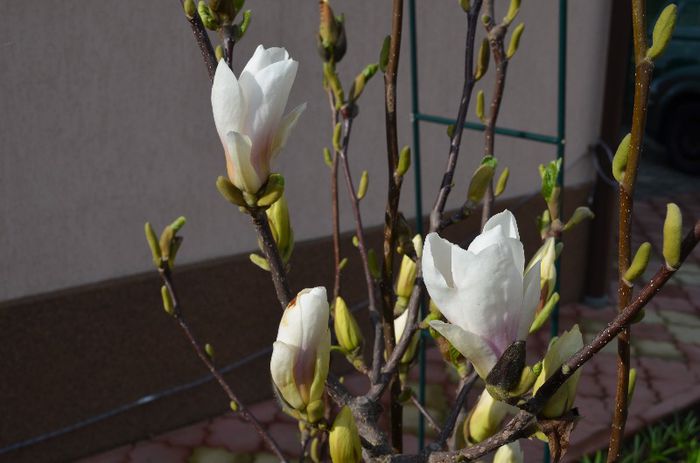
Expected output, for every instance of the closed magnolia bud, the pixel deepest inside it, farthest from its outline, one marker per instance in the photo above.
(580, 214)
(331, 34)
(482, 63)
(399, 328)
(509, 453)
(407, 278)
(364, 183)
(515, 40)
(485, 419)
(619, 162)
(480, 106)
(404, 161)
(166, 240)
(281, 226)
(168, 304)
(673, 227)
(190, 8)
(560, 349)
(361, 80)
(513, 9)
(273, 190)
(153, 244)
(384, 53)
(663, 30)
(346, 328)
(344, 440)
(639, 263)
(502, 182)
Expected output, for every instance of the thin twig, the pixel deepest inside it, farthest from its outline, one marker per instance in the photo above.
(391, 216)
(166, 277)
(335, 205)
(269, 248)
(643, 72)
(426, 414)
(203, 41)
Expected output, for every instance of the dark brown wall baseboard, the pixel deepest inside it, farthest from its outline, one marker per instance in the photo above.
(75, 354)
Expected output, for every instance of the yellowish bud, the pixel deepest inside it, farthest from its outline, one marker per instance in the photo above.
(190, 8)
(362, 79)
(407, 277)
(327, 158)
(639, 263)
(619, 163)
(281, 226)
(384, 53)
(260, 261)
(580, 214)
(219, 53)
(209, 18)
(347, 331)
(544, 314)
(513, 9)
(663, 30)
(673, 228)
(209, 349)
(230, 192)
(502, 182)
(152, 240)
(273, 190)
(364, 183)
(632, 382)
(515, 40)
(344, 440)
(482, 63)
(480, 106)
(167, 300)
(465, 4)
(481, 179)
(509, 453)
(337, 134)
(404, 161)
(485, 419)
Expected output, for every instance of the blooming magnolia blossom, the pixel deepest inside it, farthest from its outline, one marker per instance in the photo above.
(248, 114)
(482, 291)
(300, 356)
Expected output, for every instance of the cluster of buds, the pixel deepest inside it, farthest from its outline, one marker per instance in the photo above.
(220, 15)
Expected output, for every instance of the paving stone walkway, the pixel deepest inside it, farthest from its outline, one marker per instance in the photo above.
(665, 352)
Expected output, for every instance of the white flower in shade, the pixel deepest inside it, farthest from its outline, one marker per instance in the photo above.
(560, 349)
(482, 291)
(300, 356)
(509, 453)
(248, 114)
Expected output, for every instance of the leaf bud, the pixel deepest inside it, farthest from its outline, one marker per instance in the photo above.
(663, 30)
(502, 182)
(515, 40)
(619, 162)
(639, 263)
(673, 227)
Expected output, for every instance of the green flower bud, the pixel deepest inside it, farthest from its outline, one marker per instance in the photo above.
(327, 158)
(281, 226)
(168, 304)
(337, 134)
(482, 62)
(515, 40)
(332, 43)
(407, 277)
(639, 263)
(560, 349)
(619, 163)
(480, 106)
(632, 382)
(245, 23)
(465, 4)
(344, 440)
(343, 263)
(234, 406)
(384, 53)
(190, 8)
(502, 182)
(152, 240)
(209, 18)
(485, 419)
(481, 179)
(273, 190)
(166, 241)
(580, 214)
(404, 161)
(230, 192)
(346, 328)
(663, 30)
(364, 183)
(361, 79)
(260, 261)
(513, 9)
(673, 227)
(209, 349)
(544, 313)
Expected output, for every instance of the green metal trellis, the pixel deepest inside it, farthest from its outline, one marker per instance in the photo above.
(417, 117)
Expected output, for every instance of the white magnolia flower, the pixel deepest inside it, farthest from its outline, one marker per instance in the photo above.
(299, 363)
(248, 114)
(482, 291)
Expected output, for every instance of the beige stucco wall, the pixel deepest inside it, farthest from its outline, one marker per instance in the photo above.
(106, 123)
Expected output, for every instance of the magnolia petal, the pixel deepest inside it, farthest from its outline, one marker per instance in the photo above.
(282, 371)
(531, 299)
(400, 325)
(285, 128)
(314, 310)
(468, 344)
(227, 102)
(275, 82)
(506, 220)
(240, 169)
(263, 57)
(437, 275)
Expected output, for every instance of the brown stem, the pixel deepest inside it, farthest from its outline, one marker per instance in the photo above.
(166, 277)
(391, 215)
(335, 206)
(642, 78)
(269, 248)
(496, 35)
(204, 43)
(374, 314)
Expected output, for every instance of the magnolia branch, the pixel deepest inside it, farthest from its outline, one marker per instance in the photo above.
(269, 249)
(166, 277)
(202, 38)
